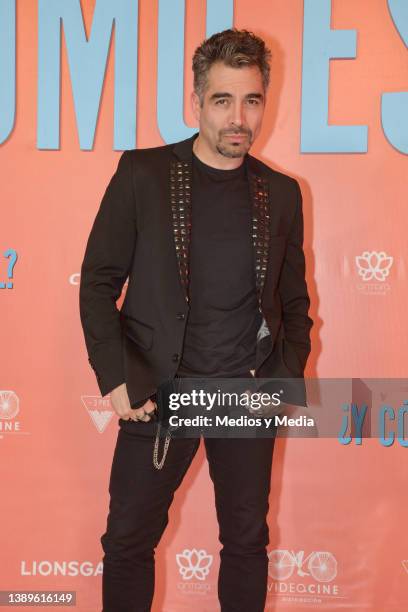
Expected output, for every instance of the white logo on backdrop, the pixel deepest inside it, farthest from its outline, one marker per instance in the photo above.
(374, 265)
(9, 409)
(75, 279)
(99, 410)
(9, 404)
(61, 568)
(194, 563)
(321, 565)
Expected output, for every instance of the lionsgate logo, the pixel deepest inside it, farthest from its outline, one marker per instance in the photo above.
(194, 567)
(61, 568)
(301, 577)
(373, 268)
(99, 410)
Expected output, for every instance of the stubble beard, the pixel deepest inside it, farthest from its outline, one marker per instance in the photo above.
(234, 150)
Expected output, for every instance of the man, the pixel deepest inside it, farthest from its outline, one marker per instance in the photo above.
(211, 240)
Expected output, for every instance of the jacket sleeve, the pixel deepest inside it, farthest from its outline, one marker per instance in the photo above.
(294, 295)
(105, 267)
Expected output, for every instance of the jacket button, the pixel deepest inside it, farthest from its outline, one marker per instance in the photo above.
(180, 316)
(176, 357)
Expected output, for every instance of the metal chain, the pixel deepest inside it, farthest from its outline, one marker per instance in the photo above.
(156, 463)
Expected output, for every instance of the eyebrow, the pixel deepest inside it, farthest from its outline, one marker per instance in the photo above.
(217, 95)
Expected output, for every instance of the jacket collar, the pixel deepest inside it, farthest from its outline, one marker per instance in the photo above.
(180, 196)
(183, 150)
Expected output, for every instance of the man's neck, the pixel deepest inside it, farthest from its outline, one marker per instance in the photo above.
(216, 160)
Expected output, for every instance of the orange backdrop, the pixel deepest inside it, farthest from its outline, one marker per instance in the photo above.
(348, 502)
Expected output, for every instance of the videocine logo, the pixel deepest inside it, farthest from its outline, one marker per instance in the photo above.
(307, 579)
(320, 565)
(9, 404)
(9, 409)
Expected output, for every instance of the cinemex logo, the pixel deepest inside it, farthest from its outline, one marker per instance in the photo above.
(99, 410)
(9, 409)
(193, 563)
(374, 268)
(317, 571)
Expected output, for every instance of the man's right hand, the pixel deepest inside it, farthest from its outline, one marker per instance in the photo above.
(121, 405)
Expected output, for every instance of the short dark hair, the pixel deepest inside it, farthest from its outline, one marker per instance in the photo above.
(235, 48)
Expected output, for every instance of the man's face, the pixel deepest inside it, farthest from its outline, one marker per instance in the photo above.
(231, 113)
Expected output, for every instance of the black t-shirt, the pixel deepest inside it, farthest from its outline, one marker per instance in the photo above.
(224, 317)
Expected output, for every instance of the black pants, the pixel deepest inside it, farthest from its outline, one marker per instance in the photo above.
(140, 496)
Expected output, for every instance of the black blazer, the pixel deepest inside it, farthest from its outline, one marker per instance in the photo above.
(142, 232)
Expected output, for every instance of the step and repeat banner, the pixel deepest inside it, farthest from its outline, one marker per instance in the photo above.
(81, 81)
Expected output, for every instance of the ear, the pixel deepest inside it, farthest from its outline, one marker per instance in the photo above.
(195, 105)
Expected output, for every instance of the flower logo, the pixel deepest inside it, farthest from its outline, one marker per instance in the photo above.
(194, 563)
(374, 264)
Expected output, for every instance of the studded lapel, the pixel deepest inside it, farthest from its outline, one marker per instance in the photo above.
(180, 199)
(259, 190)
(181, 202)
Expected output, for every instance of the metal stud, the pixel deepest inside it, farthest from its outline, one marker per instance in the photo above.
(260, 228)
(181, 218)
